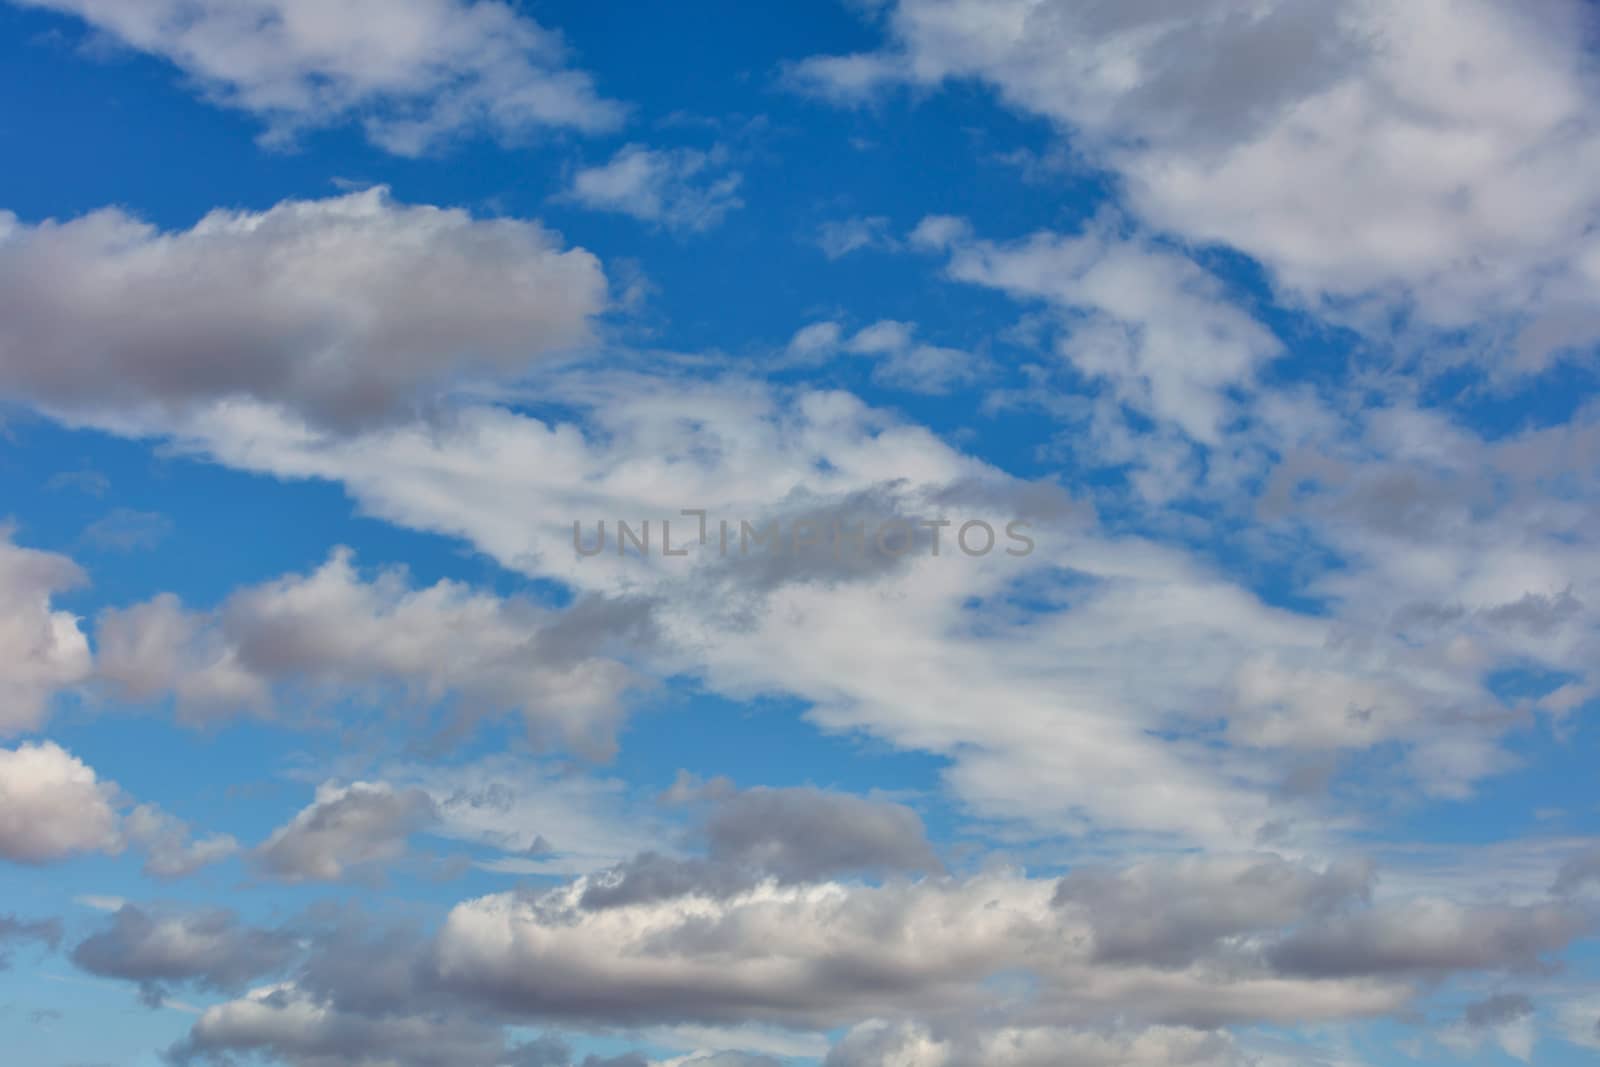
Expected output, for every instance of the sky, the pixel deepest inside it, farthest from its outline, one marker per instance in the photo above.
(890, 533)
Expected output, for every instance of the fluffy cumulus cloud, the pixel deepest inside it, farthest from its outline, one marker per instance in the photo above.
(345, 310)
(53, 806)
(42, 650)
(680, 188)
(1431, 156)
(414, 71)
(335, 632)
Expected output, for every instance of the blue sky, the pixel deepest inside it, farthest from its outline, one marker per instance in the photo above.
(324, 326)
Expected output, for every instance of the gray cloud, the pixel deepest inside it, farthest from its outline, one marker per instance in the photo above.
(285, 1023)
(104, 314)
(1538, 613)
(653, 876)
(806, 834)
(1429, 937)
(211, 949)
(337, 632)
(363, 994)
(793, 836)
(1579, 871)
(1170, 913)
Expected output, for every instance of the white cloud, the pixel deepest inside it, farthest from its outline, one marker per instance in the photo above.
(647, 446)
(919, 654)
(1431, 155)
(346, 310)
(818, 340)
(680, 188)
(1454, 546)
(52, 806)
(414, 72)
(41, 648)
(1145, 319)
